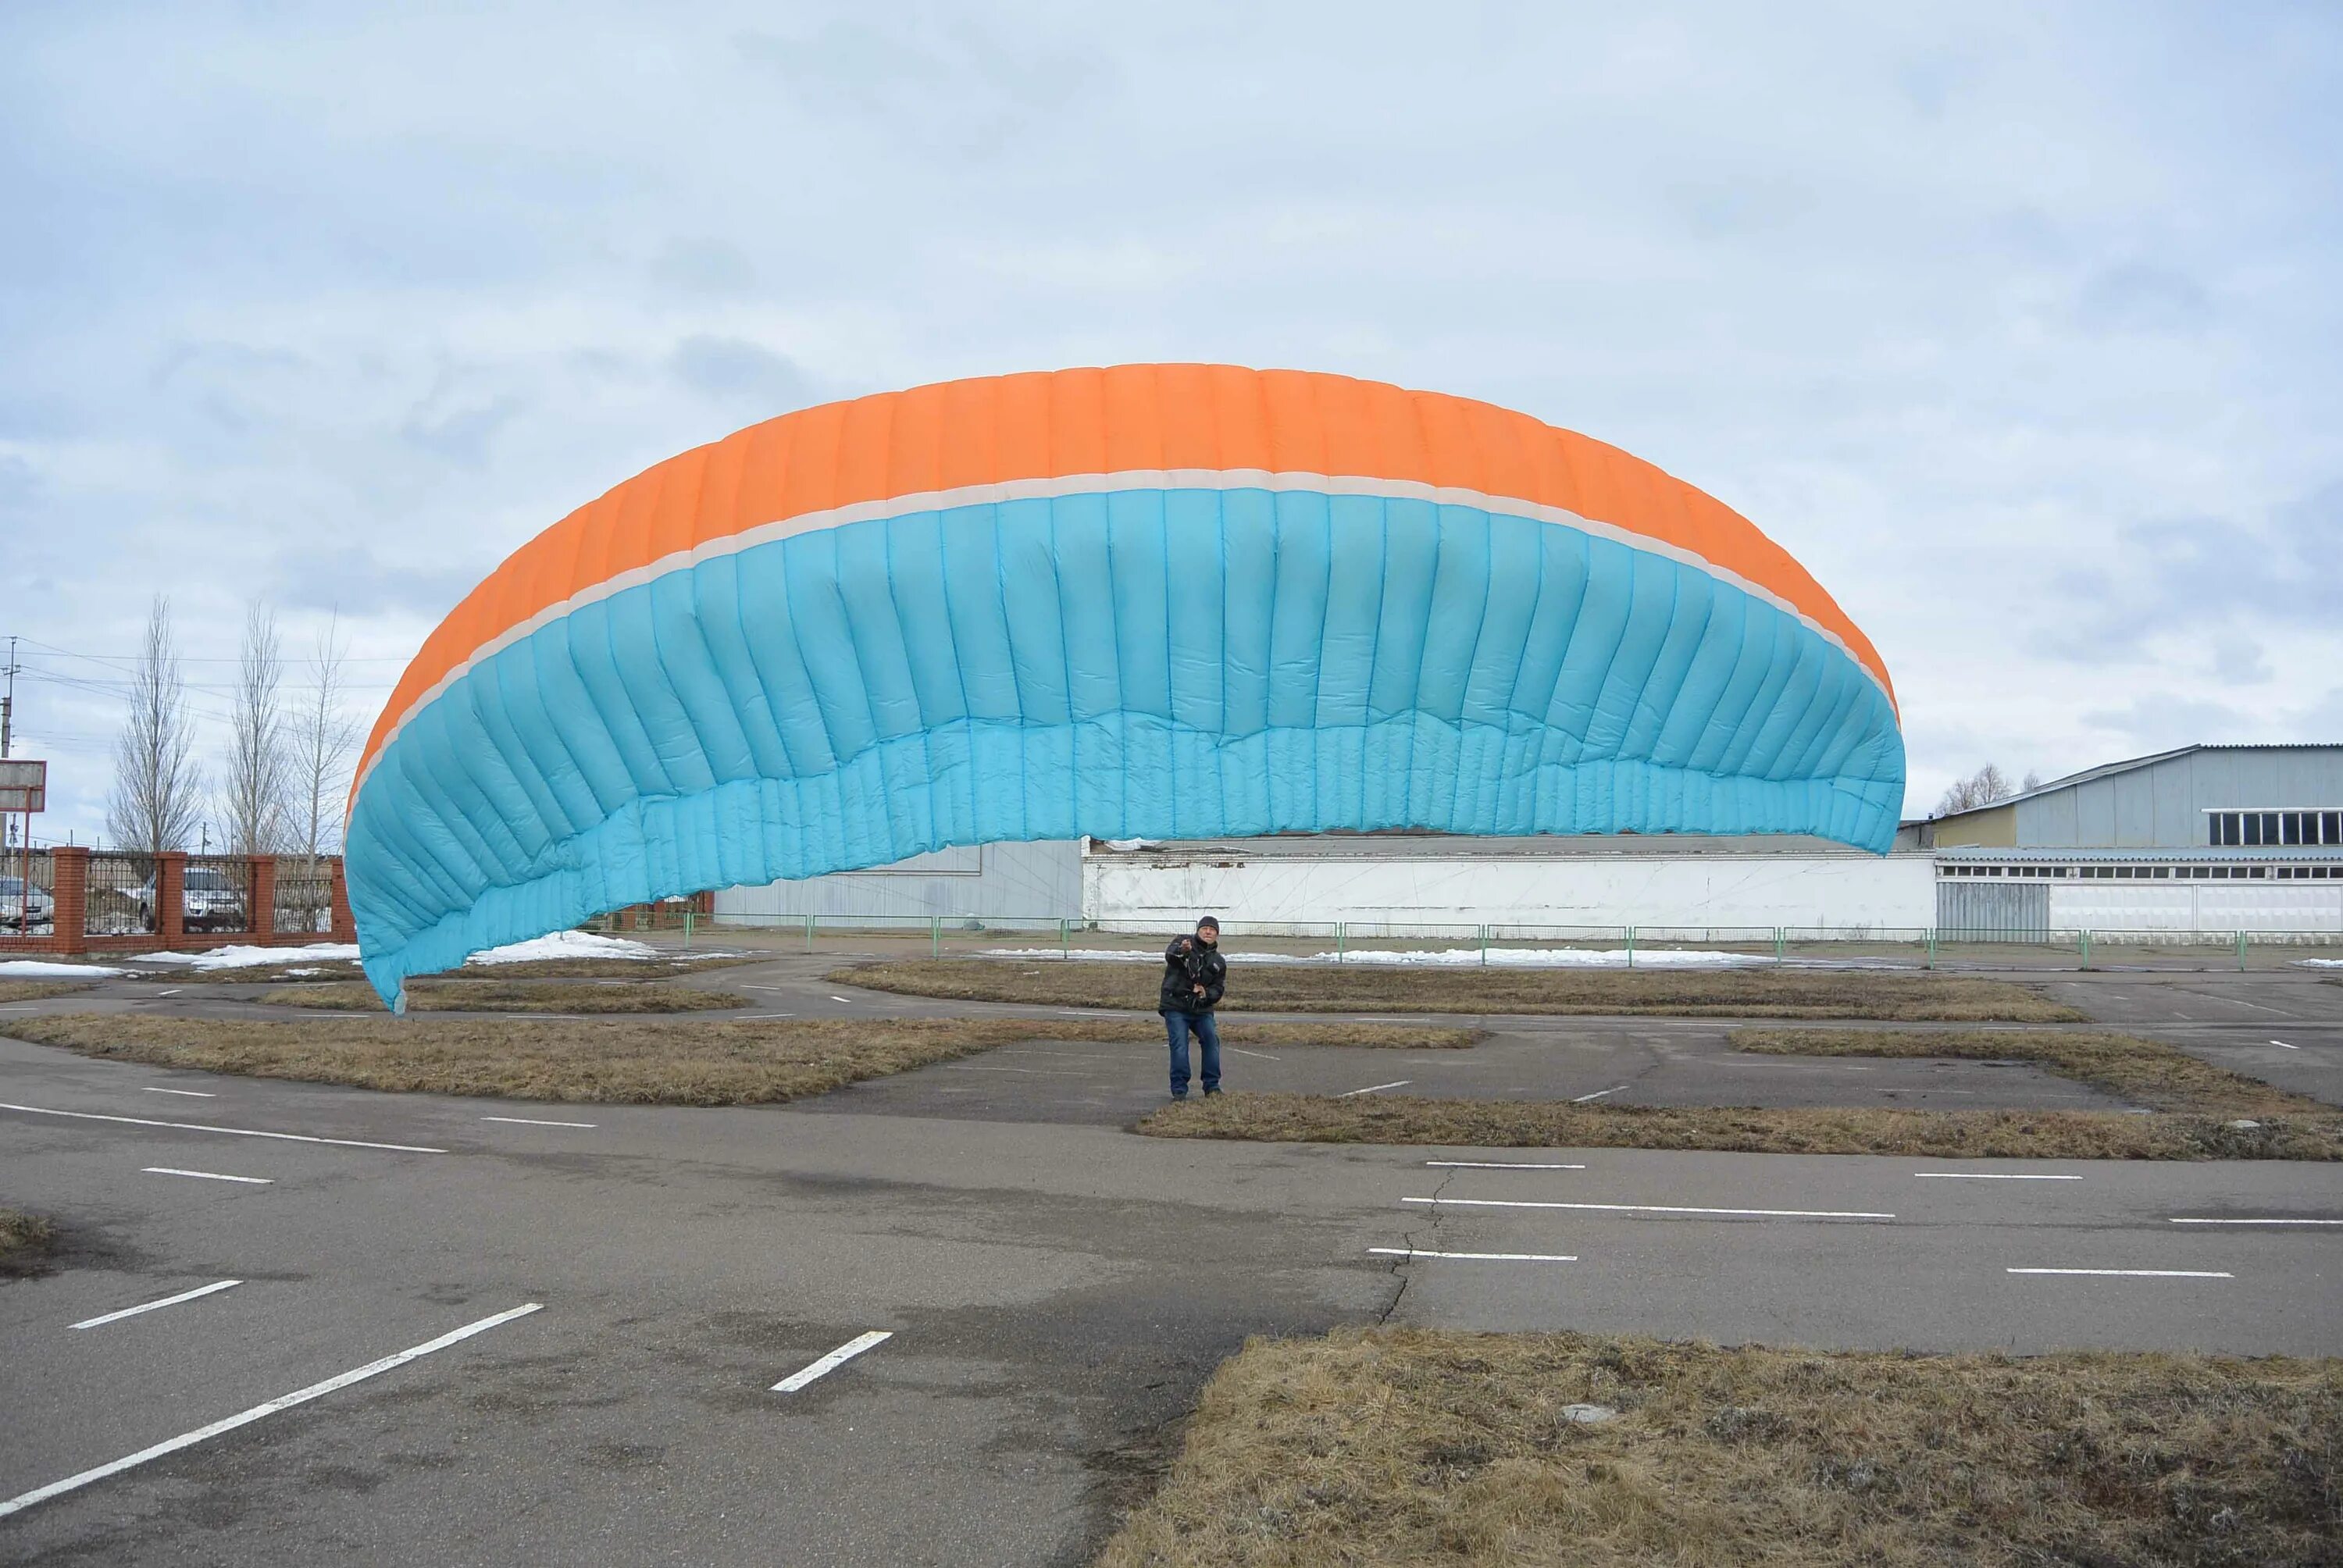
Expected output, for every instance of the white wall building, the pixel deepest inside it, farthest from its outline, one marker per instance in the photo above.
(1397, 880)
(1404, 881)
(2204, 839)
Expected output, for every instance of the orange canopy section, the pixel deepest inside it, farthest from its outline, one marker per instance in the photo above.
(1051, 425)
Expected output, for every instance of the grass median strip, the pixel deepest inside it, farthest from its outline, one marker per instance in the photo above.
(1416, 1446)
(510, 996)
(37, 991)
(327, 970)
(619, 1060)
(1932, 1134)
(1290, 988)
(2144, 1071)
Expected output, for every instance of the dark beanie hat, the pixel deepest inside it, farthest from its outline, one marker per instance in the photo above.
(1211, 920)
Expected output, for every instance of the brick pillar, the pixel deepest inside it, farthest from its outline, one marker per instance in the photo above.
(263, 884)
(69, 891)
(171, 896)
(345, 928)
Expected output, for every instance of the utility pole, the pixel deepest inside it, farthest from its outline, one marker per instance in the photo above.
(8, 703)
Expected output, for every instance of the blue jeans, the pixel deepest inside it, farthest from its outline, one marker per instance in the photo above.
(1208, 1035)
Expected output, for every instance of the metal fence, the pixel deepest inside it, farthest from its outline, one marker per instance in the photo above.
(305, 895)
(28, 893)
(121, 897)
(215, 894)
(1416, 943)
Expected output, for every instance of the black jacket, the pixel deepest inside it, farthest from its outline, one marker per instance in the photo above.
(1188, 963)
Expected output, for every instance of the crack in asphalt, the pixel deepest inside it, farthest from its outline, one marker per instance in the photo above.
(1399, 1265)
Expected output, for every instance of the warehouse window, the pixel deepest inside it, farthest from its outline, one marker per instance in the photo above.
(2292, 825)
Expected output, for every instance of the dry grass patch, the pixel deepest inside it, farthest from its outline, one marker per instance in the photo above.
(323, 970)
(37, 990)
(1414, 1446)
(1293, 987)
(635, 1061)
(1558, 1124)
(2141, 1071)
(601, 969)
(510, 996)
(24, 1240)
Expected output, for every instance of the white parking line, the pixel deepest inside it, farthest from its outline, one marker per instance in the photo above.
(173, 992)
(832, 1361)
(2132, 1273)
(1598, 1094)
(192, 1093)
(234, 1131)
(1496, 1165)
(204, 1175)
(246, 1418)
(1987, 1176)
(1239, 1051)
(533, 1121)
(1654, 1209)
(847, 1001)
(151, 1306)
(756, 1017)
(1481, 1257)
(1373, 1088)
(2196, 1222)
(2282, 1043)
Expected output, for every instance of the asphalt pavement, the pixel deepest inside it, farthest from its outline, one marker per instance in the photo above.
(1053, 1289)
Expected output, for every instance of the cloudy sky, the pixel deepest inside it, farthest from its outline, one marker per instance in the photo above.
(2020, 324)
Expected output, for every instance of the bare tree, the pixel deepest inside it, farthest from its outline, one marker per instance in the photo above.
(1985, 787)
(156, 800)
(322, 738)
(252, 804)
(2033, 783)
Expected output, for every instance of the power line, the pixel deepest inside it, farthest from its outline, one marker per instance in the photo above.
(129, 660)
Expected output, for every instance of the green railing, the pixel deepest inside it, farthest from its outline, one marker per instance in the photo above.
(1513, 945)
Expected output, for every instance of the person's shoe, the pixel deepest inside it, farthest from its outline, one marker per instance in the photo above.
(1210, 1092)
(1177, 1095)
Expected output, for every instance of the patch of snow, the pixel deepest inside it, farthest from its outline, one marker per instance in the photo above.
(566, 945)
(1440, 958)
(2321, 963)
(244, 958)
(1127, 845)
(34, 969)
(293, 974)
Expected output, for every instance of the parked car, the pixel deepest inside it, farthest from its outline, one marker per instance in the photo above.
(22, 911)
(209, 900)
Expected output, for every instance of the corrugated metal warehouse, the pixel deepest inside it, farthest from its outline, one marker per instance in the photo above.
(2198, 839)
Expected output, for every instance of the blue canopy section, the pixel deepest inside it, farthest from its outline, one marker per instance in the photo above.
(1140, 663)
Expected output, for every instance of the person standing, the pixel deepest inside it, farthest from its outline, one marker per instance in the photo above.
(1193, 976)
